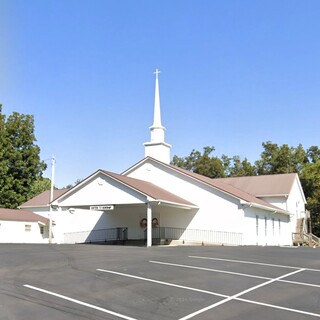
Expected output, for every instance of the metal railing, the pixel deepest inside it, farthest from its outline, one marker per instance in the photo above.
(305, 239)
(95, 236)
(314, 239)
(195, 235)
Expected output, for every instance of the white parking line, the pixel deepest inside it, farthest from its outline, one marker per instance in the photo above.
(208, 269)
(163, 283)
(80, 302)
(227, 298)
(301, 283)
(244, 292)
(279, 307)
(234, 273)
(252, 262)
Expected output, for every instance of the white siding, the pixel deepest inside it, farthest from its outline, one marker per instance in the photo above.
(217, 211)
(262, 228)
(101, 190)
(17, 232)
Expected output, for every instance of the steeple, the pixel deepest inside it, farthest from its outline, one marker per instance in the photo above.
(157, 130)
(157, 148)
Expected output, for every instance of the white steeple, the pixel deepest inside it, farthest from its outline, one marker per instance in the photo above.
(157, 148)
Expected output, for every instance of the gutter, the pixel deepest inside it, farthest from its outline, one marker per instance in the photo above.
(246, 204)
(173, 204)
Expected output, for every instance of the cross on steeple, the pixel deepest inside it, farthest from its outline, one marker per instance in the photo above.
(157, 72)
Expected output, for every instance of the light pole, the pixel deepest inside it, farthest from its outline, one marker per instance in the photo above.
(53, 160)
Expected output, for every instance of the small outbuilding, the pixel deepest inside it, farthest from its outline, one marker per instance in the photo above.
(23, 226)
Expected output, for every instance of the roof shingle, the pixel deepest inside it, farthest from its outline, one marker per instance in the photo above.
(43, 199)
(22, 215)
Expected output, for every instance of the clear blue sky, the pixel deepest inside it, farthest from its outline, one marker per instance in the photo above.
(234, 74)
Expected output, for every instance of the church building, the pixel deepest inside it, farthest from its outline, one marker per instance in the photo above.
(156, 202)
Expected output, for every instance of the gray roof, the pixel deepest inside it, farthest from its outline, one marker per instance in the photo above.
(22, 215)
(263, 186)
(43, 199)
(229, 189)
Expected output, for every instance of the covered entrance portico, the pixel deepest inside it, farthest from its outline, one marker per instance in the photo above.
(110, 201)
(136, 223)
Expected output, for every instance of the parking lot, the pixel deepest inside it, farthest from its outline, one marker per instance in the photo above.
(63, 282)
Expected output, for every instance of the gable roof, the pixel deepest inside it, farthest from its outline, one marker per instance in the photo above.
(264, 185)
(43, 199)
(143, 187)
(149, 189)
(22, 215)
(218, 184)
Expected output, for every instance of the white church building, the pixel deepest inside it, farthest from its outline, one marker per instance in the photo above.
(156, 202)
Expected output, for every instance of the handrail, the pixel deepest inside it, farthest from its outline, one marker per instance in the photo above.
(314, 238)
(97, 235)
(195, 235)
(305, 238)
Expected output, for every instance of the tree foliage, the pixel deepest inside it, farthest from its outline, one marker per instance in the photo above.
(281, 159)
(209, 166)
(40, 184)
(20, 164)
(274, 159)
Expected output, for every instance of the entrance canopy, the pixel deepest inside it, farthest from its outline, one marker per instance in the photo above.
(108, 188)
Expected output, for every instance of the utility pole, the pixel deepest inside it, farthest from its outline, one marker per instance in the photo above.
(53, 160)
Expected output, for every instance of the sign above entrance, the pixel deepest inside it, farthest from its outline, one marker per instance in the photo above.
(101, 208)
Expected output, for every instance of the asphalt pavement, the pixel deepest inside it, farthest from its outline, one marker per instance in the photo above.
(64, 282)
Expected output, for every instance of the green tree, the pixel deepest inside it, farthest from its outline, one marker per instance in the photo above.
(235, 167)
(281, 159)
(310, 180)
(20, 164)
(313, 154)
(40, 184)
(210, 166)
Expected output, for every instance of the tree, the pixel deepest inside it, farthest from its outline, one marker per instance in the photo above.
(235, 167)
(70, 185)
(40, 184)
(283, 159)
(213, 167)
(313, 154)
(209, 166)
(20, 164)
(310, 180)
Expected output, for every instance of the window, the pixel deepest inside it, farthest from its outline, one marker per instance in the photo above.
(41, 229)
(257, 225)
(279, 227)
(273, 226)
(265, 226)
(27, 227)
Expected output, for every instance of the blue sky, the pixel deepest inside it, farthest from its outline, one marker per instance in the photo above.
(234, 74)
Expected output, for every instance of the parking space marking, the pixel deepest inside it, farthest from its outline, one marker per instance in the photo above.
(235, 273)
(80, 302)
(301, 283)
(163, 283)
(240, 294)
(279, 307)
(209, 269)
(252, 262)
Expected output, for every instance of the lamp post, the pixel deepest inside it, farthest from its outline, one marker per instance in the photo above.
(53, 160)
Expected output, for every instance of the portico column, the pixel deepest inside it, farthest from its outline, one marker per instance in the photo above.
(149, 225)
